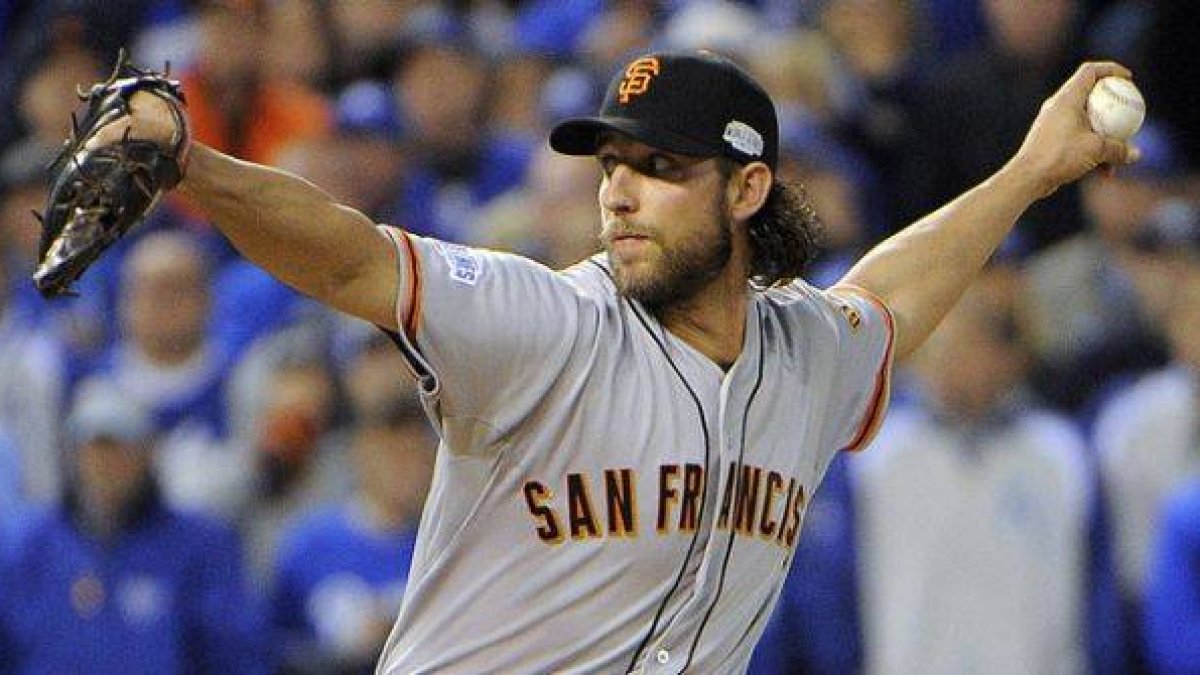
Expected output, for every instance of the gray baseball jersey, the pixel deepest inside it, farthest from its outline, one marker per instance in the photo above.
(605, 498)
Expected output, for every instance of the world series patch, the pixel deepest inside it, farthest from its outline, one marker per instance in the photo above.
(464, 263)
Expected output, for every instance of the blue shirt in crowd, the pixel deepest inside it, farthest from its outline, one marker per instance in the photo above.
(1173, 587)
(335, 574)
(167, 595)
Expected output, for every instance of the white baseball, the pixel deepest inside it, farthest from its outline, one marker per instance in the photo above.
(1115, 108)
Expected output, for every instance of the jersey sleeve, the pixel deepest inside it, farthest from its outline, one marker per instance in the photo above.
(861, 382)
(484, 331)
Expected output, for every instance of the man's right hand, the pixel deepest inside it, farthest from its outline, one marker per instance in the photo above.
(1061, 146)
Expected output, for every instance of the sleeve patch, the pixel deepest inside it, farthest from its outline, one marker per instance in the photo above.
(853, 317)
(463, 264)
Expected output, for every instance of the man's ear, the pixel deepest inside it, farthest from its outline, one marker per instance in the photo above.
(748, 189)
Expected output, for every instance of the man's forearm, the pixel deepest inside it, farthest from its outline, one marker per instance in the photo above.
(297, 232)
(921, 271)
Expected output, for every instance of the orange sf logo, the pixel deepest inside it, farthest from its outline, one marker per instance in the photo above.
(852, 317)
(637, 78)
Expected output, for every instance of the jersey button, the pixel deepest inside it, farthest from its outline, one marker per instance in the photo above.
(662, 656)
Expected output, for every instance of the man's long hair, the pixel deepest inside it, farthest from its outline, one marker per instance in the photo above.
(783, 233)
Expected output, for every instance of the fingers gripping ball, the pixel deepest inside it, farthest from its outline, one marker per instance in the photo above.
(99, 192)
(1115, 108)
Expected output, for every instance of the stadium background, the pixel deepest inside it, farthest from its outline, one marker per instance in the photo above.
(433, 116)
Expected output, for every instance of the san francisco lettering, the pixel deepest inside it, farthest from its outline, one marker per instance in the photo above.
(755, 502)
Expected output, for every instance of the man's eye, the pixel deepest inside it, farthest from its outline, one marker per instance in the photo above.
(660, 165)
(608, 164)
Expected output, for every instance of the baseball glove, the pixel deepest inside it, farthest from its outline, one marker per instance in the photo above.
(97, 194)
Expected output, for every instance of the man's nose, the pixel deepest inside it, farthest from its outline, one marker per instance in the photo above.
(618, 191)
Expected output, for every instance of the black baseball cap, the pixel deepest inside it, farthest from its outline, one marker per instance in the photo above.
(699, 104)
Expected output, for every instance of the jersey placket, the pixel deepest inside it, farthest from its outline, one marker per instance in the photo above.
(676, 650)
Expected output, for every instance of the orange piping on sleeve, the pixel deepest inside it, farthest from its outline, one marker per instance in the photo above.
(413, 319)
(408, 312)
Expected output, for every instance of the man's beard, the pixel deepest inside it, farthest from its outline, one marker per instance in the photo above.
(680, 273)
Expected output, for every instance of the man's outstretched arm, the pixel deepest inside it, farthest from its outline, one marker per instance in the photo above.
(298, 233)
(291, 228)
(921, 271)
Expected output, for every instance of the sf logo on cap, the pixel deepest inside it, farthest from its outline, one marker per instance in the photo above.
(637, 78)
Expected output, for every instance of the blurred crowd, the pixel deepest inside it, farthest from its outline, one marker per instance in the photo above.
(202, 470)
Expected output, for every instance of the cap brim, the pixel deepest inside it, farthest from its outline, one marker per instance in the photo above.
(581, 136)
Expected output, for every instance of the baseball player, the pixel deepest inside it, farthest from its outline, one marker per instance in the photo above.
(628, 446)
